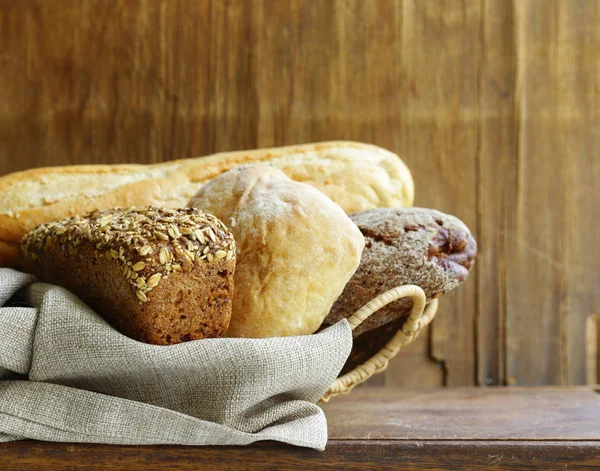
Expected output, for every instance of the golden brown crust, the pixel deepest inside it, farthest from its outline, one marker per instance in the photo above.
(160, 276)
(296, 250)
(356, 176)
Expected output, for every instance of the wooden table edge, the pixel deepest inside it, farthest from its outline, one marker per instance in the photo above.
(342, 454)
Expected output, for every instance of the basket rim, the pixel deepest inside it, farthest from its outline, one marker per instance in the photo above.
(422, 313)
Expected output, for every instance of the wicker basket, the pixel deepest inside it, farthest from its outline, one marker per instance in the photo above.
(420, 315)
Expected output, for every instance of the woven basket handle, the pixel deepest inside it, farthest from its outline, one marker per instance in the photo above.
(420, 315)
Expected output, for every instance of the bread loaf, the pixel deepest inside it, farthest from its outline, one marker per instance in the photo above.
(160, 276)
(296, 250)
(411, 246)
(356, 176)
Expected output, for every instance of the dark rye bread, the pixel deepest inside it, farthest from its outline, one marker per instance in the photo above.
(160, 276)
(413, 246)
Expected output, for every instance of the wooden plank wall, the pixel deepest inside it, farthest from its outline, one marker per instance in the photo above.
(494, 105)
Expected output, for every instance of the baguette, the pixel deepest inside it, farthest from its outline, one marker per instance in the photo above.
(356, 176)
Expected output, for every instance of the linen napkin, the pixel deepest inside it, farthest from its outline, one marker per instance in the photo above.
(66, 375)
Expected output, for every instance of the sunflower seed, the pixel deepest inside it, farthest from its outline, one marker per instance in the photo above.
(161, 235)
(200, 236)
(162, 256)
(154, 280)
(174, 232)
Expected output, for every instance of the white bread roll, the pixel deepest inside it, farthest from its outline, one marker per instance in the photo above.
(296, 250)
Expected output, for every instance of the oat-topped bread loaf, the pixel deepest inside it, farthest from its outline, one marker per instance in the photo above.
(296, 250)
(160, 276)
(412, 246)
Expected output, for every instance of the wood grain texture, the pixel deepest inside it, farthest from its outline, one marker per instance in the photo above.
(353, 455)
(493, 104)
(552, 285)
(592, 348)
(516, 413)
(450, 429)
(495, 190)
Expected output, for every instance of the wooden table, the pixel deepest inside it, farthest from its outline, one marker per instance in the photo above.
(454, 429)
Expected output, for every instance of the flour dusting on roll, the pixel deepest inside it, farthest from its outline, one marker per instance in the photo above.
(296, 250)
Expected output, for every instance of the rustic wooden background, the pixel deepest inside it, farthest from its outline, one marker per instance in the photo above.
(494, 105)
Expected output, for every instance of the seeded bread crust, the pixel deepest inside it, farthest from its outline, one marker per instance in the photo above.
(412, 246)
(160, 276)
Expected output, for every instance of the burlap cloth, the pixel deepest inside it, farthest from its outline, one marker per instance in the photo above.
(66, 375)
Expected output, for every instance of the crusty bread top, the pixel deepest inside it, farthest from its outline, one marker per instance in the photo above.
(296, 250)
(145, 243)
(435, 249)
(354, 175)
(46, 186)
(409, 246)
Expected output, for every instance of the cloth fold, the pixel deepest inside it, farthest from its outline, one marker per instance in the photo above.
(88, 383)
